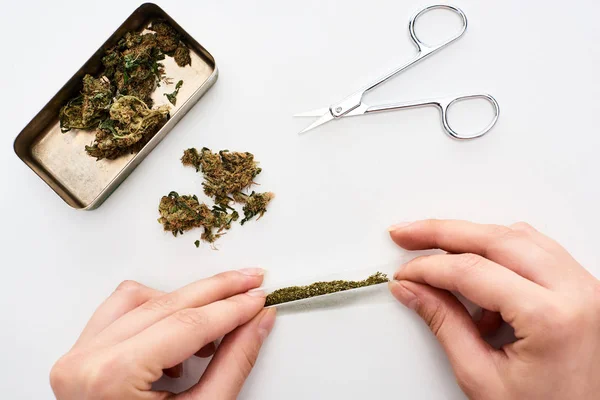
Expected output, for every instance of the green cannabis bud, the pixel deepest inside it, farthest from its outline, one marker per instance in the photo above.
(191, 158)
(226, 174)
(182, 56)
(293, 293)
(131, 125)
(87, 110)
(256, 204)
(182, 213)
(133, 65)
(118, 102)
(170, 43)
(172, 97)
(167, 38)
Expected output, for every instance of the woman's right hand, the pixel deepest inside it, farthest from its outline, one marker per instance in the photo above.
(515, 274)
(139, 333)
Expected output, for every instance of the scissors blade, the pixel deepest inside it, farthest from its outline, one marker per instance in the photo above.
(324, 119)
(313, 113)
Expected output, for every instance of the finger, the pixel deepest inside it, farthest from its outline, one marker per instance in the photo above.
(127, 296)
(451, 235)
(206, 351)
(195, 295)
(501, 244)
(473, 360)
(174, 372)
(488, 323)
(480, 280)
(234, 360)
(177, 337)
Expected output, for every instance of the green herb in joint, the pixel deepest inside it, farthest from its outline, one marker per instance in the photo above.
(293, 293)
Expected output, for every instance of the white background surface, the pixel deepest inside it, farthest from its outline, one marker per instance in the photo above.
(337, 188)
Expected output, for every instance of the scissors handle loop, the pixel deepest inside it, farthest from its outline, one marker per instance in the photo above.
(424, 48)
(447, 104)
(444, 105)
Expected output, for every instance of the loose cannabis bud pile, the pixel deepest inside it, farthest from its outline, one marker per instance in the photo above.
(132, 72)
(182, 213)
(320, 288)
(226, 176)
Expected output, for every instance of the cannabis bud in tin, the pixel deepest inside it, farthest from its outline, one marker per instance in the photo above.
(182, 56)
(88, 109)
(118, 102)
(131, 125)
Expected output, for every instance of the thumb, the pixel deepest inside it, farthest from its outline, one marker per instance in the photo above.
(233, 361)
(473, 360)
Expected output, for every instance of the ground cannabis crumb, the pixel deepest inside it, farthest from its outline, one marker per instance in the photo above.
(172, 97)
(132, 71)
(226, 176)
(292, 293)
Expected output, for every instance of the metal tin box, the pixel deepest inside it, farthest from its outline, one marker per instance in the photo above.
(60, 159)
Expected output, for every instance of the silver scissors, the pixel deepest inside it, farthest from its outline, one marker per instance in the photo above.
(353, 105)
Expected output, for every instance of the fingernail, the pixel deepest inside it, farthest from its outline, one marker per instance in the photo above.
(398, 226)
(252, 271)
(256, 293)
(404, 295)
(397, 273)
(265, 325)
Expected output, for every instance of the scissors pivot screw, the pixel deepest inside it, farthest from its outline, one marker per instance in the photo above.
(338, 110)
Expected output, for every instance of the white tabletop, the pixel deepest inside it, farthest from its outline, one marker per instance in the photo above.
(338, 188)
